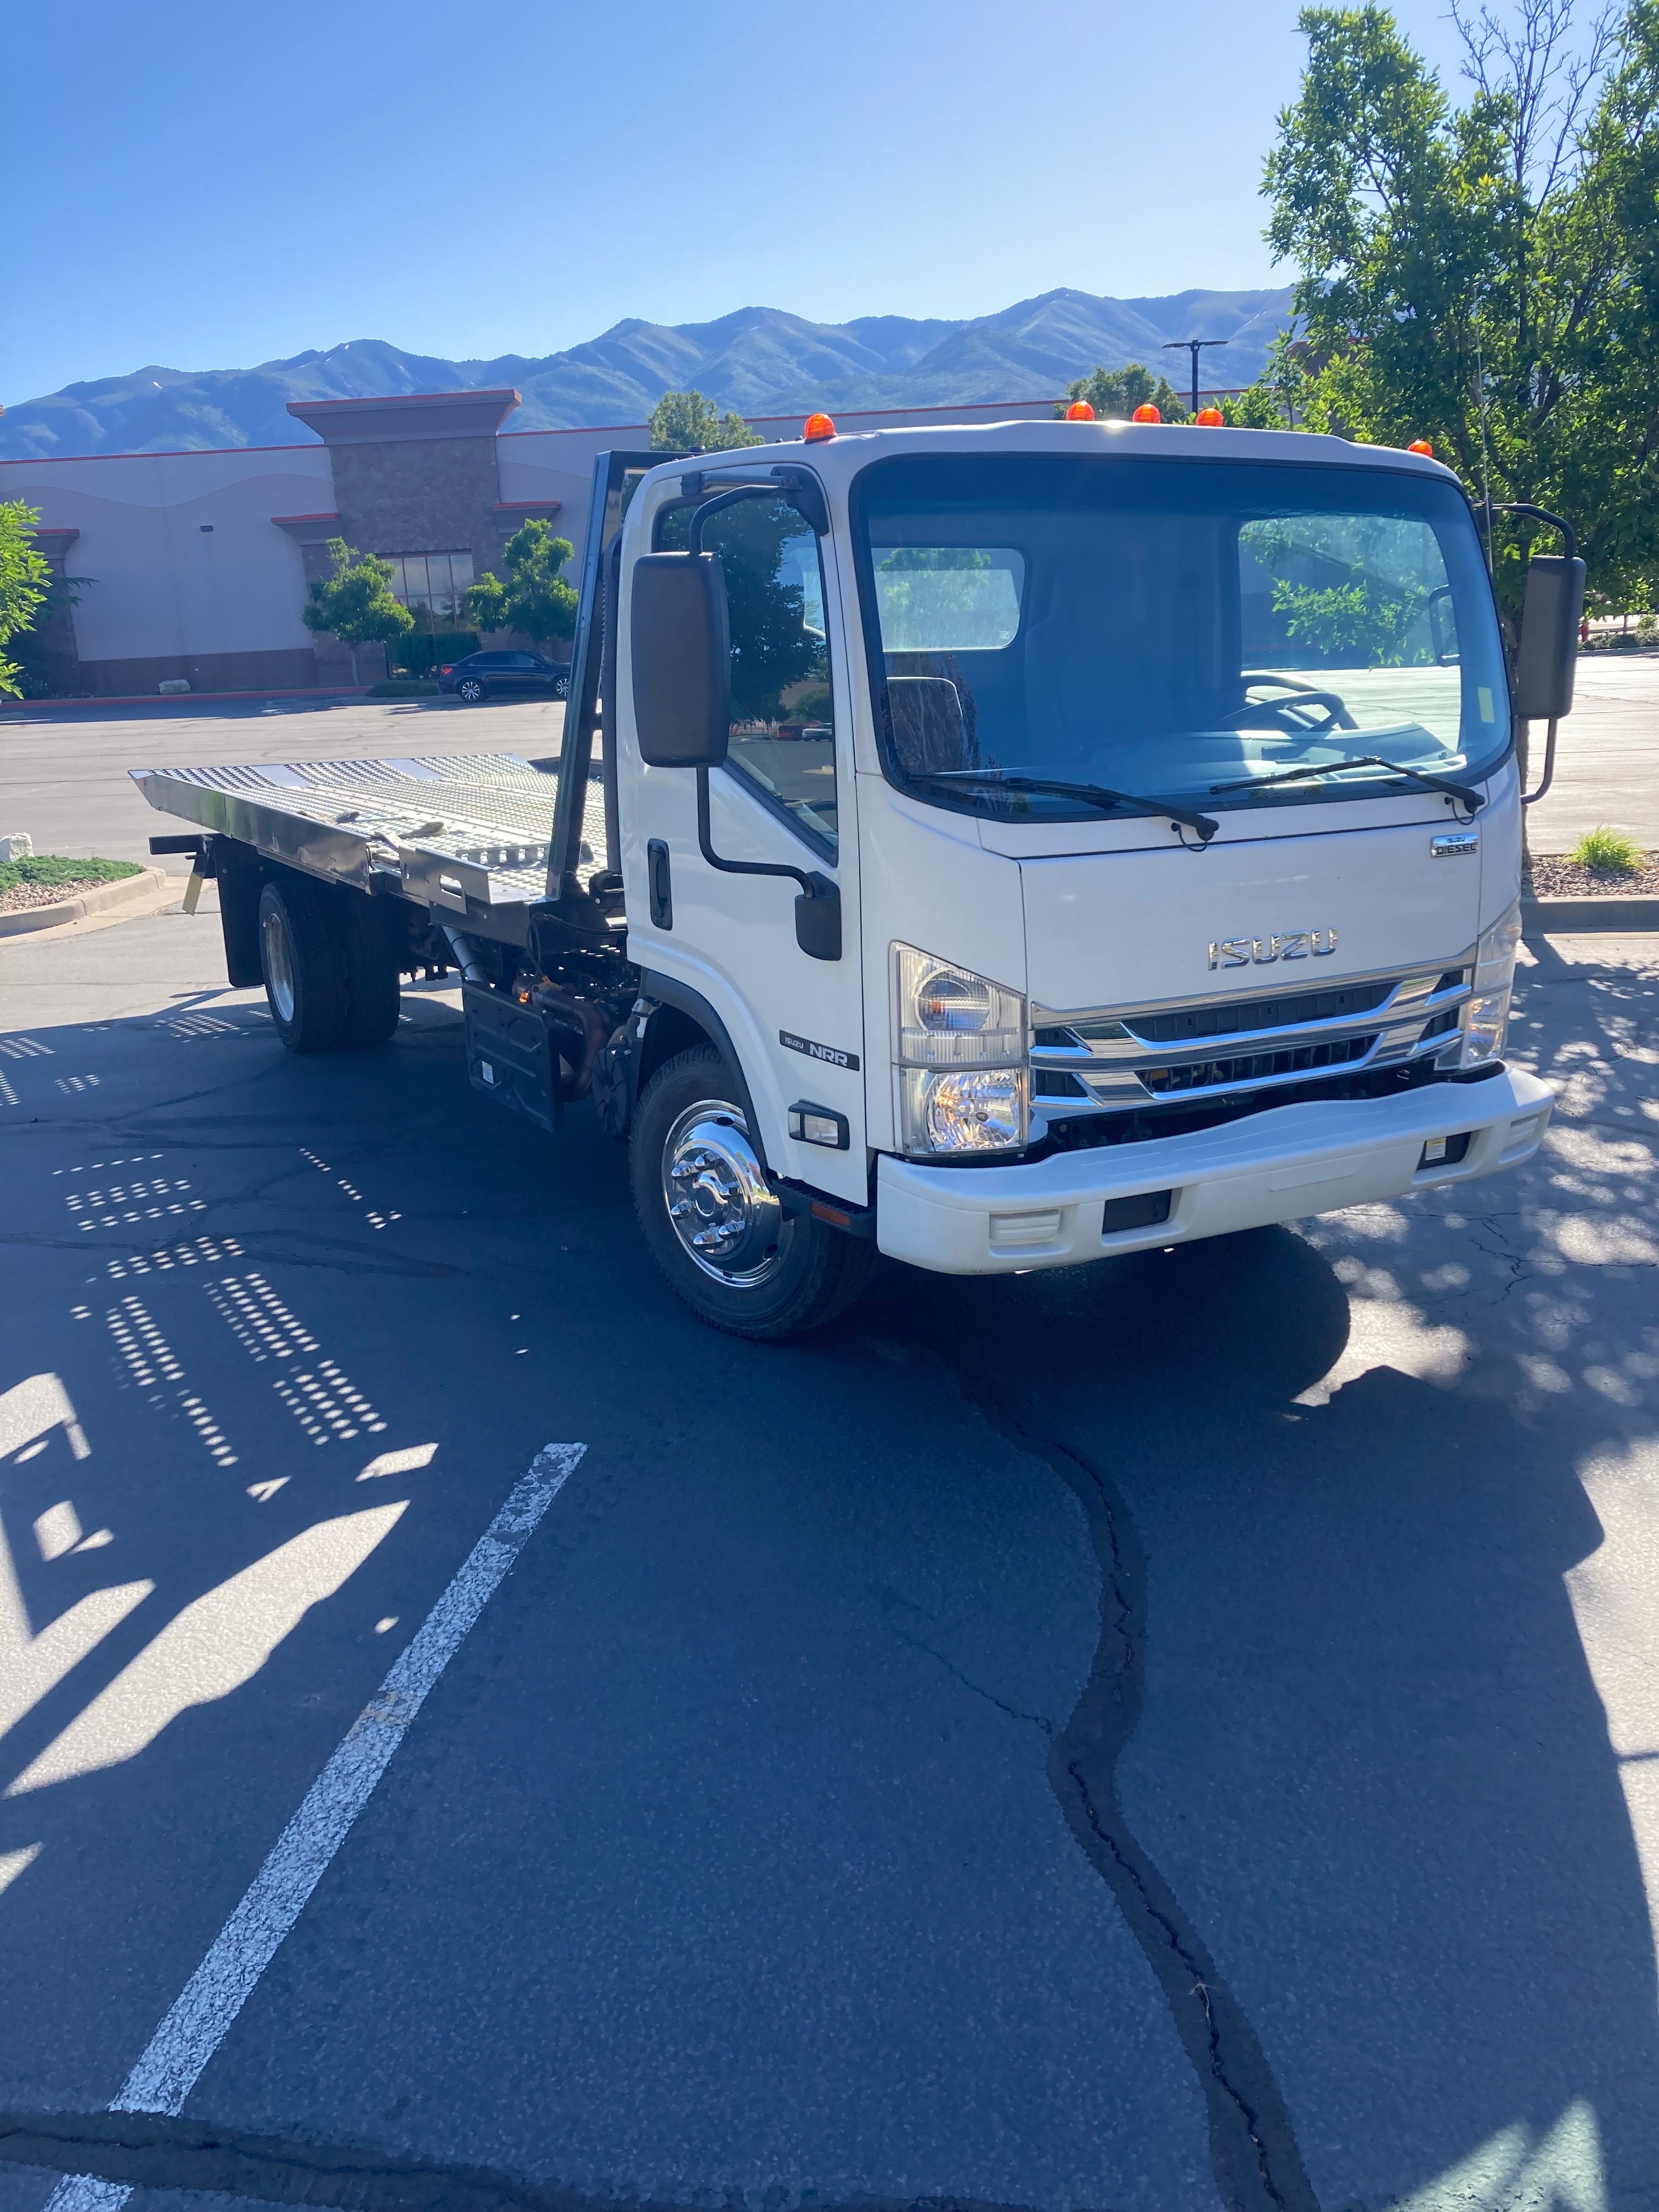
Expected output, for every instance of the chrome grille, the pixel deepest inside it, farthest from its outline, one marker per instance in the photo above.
(1116, 1059)
(1254, 1067)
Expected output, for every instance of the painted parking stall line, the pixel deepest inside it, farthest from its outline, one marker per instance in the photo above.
(201, 2014)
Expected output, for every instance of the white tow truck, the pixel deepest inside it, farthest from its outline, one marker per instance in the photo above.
(998, 848)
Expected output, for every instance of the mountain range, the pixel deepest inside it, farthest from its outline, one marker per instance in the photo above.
(758, 361)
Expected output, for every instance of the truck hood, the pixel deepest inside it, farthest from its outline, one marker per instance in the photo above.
(1118, 929)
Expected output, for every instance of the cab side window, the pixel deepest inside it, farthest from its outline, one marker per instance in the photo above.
(783, 733)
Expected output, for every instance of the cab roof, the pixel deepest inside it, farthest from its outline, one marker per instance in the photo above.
(836, 460)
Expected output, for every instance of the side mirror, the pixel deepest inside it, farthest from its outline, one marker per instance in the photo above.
(681, 644)
(1547, 662)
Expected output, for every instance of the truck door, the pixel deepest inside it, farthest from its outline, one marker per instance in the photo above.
(785, 795)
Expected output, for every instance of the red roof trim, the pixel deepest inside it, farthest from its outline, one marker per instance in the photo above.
(331, 516)
(514, 506)
(402, 399)
(602, 429)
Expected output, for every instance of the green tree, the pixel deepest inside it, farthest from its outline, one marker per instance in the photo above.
(1486, 276)
(1276, 400)
(536, 600)
(25, 579)
(686, 423)
(1114, 393)
(354, 601)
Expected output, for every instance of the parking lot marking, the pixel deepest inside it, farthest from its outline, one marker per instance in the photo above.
(201, 2014)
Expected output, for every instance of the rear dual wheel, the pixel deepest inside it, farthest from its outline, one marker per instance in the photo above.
(714, 1223)
(329, 963)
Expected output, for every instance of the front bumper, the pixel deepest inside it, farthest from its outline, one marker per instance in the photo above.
(1275, 1166)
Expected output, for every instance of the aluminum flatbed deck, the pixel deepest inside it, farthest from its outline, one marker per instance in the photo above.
(464, 833)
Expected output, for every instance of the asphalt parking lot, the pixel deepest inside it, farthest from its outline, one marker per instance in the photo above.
(1181, 1733)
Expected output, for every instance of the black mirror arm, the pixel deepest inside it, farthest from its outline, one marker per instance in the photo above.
(699, 515)
(808, 884)
(797, 487)
(1532, 798)
(814, 887)
(1569, 542)
(1570, 548)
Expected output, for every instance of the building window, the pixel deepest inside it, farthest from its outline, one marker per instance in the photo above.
(431, 585)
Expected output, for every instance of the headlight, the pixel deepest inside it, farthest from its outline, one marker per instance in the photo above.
(1486, 1014)
(959, 1050)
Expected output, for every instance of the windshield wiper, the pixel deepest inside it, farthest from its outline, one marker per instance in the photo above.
(1098, 795)
(1472, 800)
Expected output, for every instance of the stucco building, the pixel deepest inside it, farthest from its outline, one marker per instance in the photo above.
(196, 564)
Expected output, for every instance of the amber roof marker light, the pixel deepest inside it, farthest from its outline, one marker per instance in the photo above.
(1210, 418)
(817, 428)
(1080, 411)
(1147, 414)
(1421, 446)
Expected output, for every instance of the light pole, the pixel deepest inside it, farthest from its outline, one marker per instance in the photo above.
(1194, 346)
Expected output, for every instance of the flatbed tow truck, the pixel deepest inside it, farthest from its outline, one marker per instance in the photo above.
(998, 848)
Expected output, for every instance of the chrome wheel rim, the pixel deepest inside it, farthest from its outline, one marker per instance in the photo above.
(279, 967)
(727, 1218)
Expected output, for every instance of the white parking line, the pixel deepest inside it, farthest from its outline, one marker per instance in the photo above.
(203, 2013)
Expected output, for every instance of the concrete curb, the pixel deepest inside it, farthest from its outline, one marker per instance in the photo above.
(1540, 916)
(341, 691)
(125, 892)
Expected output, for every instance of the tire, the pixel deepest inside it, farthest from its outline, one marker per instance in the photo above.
(302, 960)
(374, 983)
(763, 1273)
(472, 691)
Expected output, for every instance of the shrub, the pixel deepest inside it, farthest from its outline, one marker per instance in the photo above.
(53, 868)
(419, 655)
(1611, 852)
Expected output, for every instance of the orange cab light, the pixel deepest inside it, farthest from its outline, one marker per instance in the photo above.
(817, 427)
(1210, 418)
(1080, 411)
(1421, 446)
(1147, 414)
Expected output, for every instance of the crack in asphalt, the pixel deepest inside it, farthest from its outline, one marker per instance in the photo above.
(1518, 1263)
(1035, 1720)
(150, 2151)
(1254, 2154)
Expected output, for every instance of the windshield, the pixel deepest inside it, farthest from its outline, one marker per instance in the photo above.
(1164, 628)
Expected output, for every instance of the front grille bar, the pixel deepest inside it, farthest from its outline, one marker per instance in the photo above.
(1111, 1064)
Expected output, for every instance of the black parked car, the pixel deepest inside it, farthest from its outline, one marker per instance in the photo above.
(506, 676)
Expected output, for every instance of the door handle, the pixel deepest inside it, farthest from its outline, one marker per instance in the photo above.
(660, 883)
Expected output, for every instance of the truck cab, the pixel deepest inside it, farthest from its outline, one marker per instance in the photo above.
(1006, 847)
(1165, 780)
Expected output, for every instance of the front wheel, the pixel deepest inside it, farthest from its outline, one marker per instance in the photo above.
(714, 1224)
(472, 689)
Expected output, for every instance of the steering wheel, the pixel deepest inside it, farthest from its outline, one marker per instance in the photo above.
(1330, 704)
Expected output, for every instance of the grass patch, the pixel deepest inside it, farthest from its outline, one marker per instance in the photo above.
(404, 687)
(53, 868)
(1609, 851)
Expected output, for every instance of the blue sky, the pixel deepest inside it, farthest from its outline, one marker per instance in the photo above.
(209, 186)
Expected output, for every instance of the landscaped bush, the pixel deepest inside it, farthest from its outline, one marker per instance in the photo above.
(423, 656)
(51, 868)
(1610, 851)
